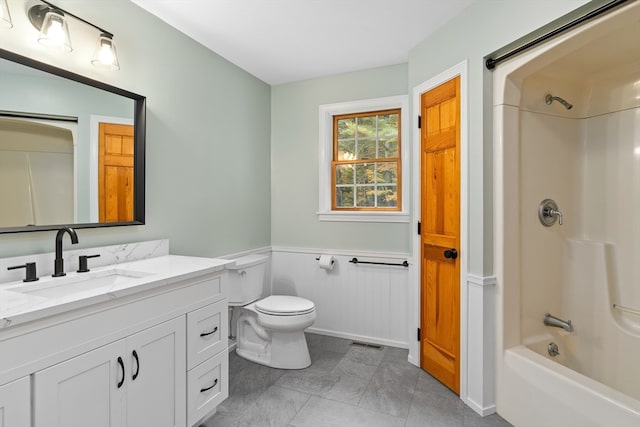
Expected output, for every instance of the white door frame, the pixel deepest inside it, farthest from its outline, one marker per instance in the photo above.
(461, 70)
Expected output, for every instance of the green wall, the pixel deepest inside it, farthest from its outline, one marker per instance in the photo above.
(294, 162)
(485, 26)
(212, 128)
(208, 135)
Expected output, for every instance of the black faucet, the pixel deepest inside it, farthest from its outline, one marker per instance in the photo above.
(58, 270)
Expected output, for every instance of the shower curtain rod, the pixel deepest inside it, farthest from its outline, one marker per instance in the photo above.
(491, 63)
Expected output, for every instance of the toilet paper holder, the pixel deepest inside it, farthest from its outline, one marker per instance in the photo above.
(326, 262)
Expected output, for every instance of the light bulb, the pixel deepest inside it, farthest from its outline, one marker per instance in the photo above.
(55, 32)
(105, 55)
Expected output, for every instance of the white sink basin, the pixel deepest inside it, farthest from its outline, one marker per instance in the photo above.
(93, 282)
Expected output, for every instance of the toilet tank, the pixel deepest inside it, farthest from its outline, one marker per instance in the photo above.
(246, 278)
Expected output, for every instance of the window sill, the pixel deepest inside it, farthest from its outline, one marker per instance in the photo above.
(364, 216)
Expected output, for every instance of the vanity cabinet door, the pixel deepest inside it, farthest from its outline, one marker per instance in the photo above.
(156, 383)
(15, 404)
(87, 390)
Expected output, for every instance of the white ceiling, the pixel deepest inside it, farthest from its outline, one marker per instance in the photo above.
(282, 41)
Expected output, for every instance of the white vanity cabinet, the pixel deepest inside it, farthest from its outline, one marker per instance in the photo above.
(136, 381)
(207, 360)
(157, 357)
(15, 403)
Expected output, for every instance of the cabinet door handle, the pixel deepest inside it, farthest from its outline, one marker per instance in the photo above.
(204, 334)
(135, 356)
(215, 383)
(121, 363)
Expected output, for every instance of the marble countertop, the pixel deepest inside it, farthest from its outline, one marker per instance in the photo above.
(23, 302)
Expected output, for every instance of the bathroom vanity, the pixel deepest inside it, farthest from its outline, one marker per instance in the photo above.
(140, 343)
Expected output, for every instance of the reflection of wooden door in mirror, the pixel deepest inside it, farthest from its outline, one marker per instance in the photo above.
(115, 172)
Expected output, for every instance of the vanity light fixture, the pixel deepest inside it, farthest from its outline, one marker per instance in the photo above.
(51, 21)
(54, 31)
(105, 55)
(5, 16)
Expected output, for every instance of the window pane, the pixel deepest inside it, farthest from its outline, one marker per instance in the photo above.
(387, 173)
(388, 148)
(344, 197)
(366, 149)
(388, 126)
(347, 149)
(346, 128)
(388, 196)
(365, 196)
(371, 137)
(365, 173)
(367, 127)
(344, 174)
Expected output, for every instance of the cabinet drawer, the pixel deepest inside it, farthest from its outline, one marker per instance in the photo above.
(206, 332)
(207, 387)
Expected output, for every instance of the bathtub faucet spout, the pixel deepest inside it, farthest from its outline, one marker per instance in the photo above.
(550, 320)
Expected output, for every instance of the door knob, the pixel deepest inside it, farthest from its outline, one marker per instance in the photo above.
(451, 253)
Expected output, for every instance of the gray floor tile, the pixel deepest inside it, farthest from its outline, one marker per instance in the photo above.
(327, 343)
(311, 382)
(355, 369)
(347, 389)
(391, 389)
(494, 420)
(319, 412)
(393, 354)
(365, 355)
(346, 386)
(276, 407)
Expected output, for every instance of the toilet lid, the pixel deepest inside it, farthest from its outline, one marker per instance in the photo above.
(284, 305)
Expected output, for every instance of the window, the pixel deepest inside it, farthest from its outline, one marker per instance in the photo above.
(361, 159)
(366, 161)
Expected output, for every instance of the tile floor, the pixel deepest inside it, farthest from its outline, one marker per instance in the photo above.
(345, 386)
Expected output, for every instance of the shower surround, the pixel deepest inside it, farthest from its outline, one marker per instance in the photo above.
(587, 159)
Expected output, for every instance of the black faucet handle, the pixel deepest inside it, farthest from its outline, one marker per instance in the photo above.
(83, 265)
(31, 271)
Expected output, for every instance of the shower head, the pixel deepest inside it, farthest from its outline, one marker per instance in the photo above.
(548, 98)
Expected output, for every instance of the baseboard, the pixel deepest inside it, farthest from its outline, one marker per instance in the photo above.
(472, 279)
(480, 410)
(355, 337)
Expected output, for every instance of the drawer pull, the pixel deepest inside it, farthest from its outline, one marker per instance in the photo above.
(135, 356)
(121, 363)
(215, 383)
(204, 334)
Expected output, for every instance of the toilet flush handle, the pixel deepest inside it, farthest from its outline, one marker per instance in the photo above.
(243, 273)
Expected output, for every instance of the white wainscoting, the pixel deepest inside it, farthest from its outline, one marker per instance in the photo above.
(360, 302)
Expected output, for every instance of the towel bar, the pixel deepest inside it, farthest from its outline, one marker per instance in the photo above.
(355, 260)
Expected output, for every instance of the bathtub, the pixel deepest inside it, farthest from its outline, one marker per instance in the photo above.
(585, 158)
(542, 392)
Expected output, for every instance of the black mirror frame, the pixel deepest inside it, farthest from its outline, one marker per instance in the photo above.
(139, 138)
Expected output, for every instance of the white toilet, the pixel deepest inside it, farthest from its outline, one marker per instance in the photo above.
(269, 331)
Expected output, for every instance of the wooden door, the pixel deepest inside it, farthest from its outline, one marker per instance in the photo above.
(87, 390)
(440, 235)
(156, 381)
(115, 172)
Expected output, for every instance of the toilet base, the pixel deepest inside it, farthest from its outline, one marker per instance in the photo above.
(287, 350)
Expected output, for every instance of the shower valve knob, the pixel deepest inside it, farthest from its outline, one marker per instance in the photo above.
(451, 253)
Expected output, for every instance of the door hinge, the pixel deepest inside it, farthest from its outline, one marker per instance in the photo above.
(418, 334)
(419, 122)
(419, 228)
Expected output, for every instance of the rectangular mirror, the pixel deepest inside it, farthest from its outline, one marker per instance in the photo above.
(72, 149)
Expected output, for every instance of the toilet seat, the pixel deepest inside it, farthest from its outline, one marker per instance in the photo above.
(284, 305)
